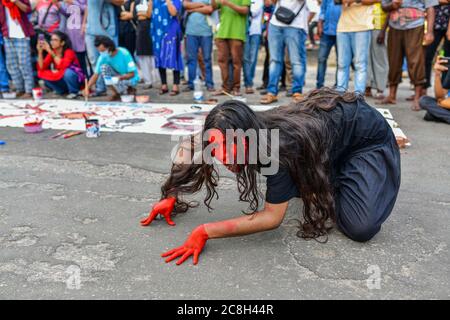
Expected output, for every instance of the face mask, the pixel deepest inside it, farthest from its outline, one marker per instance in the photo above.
(104, 54)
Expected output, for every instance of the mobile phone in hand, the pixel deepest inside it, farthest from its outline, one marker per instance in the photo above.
(41, 37)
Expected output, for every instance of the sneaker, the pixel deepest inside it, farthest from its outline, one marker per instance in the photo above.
(72, 96)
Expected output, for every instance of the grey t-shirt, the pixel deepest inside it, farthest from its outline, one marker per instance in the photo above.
(408, 23)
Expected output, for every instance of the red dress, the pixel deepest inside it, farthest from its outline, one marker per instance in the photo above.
(45, 73)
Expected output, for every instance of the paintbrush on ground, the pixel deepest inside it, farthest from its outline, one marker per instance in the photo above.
(72, 134)
(59, 134)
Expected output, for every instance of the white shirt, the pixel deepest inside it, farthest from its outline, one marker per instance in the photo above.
(257, 9)
(300, 21)
(14, 27)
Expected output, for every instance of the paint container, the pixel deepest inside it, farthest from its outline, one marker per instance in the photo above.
(38, 94)
(92, 128)
(33, 127)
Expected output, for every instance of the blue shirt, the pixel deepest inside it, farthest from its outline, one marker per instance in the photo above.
(122, 63)
(197, 25)
(329, 13)
(102, 19)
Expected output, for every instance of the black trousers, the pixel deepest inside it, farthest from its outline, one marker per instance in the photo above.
(430, 53)
(163, 75)
(434, 111)
(367, 186)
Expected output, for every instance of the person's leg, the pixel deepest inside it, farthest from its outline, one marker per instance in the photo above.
(206, 46)
(344, 60)
(379, 63)
(118, 88)
(247, 62)
(59, 87)
(26, 69)
(360, 49)
(144, 63)
(71, 80)
(430, 52)
(287, 79)
(192, 46)
(255, 42)
(295, 41)
(93, 56)
(415, 58)
(237, 51)
(395, 49)
(223, 57)
(326, 43)
(163, 76)
(4, 81)
(81, 56)
(176, 77)
(367, 188)
(276, 49)
(432, 107)
(265, 76)
(12, 64)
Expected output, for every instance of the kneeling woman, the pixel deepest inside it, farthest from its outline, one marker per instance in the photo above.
(336, 153)
(60, 68)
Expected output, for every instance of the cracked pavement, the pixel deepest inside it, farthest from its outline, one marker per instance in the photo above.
(72, 207)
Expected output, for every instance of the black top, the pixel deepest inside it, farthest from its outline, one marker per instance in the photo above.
(356, 127)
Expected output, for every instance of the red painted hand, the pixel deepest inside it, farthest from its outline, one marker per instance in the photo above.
(164, 207)
(193, 246)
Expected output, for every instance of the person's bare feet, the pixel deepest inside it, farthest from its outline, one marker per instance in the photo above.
(415, 106)
(386, 100)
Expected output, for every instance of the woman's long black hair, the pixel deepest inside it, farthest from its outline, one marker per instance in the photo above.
(305, 141)
(63, 37)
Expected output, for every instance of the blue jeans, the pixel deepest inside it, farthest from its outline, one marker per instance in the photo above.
(4, 80)
(353, 46)
(327, 42)
(193, 44)
(68, 84)
(93, 56)
(251, 49)
(294, 39)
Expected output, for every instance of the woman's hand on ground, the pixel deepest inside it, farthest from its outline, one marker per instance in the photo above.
(163, 207)
(193, 246)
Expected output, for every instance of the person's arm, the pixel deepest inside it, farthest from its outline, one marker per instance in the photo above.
(205, 10)
(126, 76)
(382, 35)
(322, 15)
(91, 82)
(363, 2)
(172, 9)
(391, 6)
(116, 3)
(239, 9)
(26, 8)
(127, 15)
(439, 92)
(83, 25)
(189, 5)
(428, 38)
(269, 218)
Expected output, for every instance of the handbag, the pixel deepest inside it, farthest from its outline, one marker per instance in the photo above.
(286, 15)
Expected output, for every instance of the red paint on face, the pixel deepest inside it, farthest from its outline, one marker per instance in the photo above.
(220, 151)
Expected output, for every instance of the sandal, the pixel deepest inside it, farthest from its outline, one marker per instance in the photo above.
(269, 98)
(174, 93)
(297, 97)
(163, 91)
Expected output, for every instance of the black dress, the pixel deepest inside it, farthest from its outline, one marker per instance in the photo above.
(365, 165)
(144, 46)
(127, 30)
